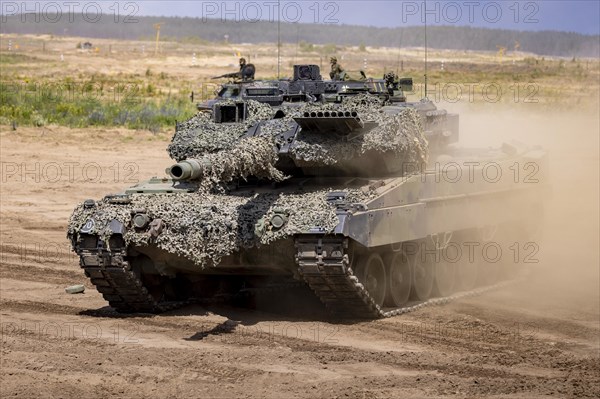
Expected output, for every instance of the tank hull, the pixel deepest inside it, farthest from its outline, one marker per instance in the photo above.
(467, 192)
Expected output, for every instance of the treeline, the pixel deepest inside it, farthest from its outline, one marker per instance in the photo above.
(441, 37)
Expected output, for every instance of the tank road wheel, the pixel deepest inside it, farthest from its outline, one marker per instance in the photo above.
(445, 275)
(399, 278)
(489, 255)
(523, 237)
(423, 276)
(464, 255)
(370, 271)
(161, 288)
(466, 274)
(154, 283)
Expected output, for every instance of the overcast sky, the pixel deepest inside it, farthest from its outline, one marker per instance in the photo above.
(582, 16)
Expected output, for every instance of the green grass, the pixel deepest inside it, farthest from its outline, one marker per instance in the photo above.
(86, 104)
(154, 100)
(15, 58)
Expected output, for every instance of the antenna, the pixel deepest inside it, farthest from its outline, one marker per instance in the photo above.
(278, 37)
(425, 12)
(399, 49)
(157, 28)
(297, 40)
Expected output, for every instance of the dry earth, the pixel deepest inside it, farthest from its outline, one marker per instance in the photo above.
(538, 338)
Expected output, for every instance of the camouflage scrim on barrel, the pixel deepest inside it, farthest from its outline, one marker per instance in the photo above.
(253, 156)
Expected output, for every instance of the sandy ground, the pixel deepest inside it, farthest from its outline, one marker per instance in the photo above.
(539, 338)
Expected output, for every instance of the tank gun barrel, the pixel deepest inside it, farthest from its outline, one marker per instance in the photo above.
(250, 157)
(190, 169)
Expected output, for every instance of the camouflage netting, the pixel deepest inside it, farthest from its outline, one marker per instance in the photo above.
(201, 135)
(400, 133)
(253, 156)
(205, 227)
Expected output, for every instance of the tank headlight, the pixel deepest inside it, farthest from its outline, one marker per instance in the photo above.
(141, 220)
(278, 220)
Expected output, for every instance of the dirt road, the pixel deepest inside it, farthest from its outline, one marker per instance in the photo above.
(538, 338)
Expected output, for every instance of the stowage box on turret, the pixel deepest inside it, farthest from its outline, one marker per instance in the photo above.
(339, 185)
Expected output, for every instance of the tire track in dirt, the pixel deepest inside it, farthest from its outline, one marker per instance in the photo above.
(18, 271)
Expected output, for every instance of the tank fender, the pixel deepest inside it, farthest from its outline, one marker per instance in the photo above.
(387, 225)
(342, 227)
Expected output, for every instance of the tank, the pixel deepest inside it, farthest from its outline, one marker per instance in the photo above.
(342, 187)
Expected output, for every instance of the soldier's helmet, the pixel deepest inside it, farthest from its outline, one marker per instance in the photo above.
(242, 61)
(333, 59)
(390, 77)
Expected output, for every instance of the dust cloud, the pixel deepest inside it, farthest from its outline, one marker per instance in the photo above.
(566, 280)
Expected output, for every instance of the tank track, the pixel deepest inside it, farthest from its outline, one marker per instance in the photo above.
(118, 283)
(322, 264)
(325, 267)
(122, 288)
